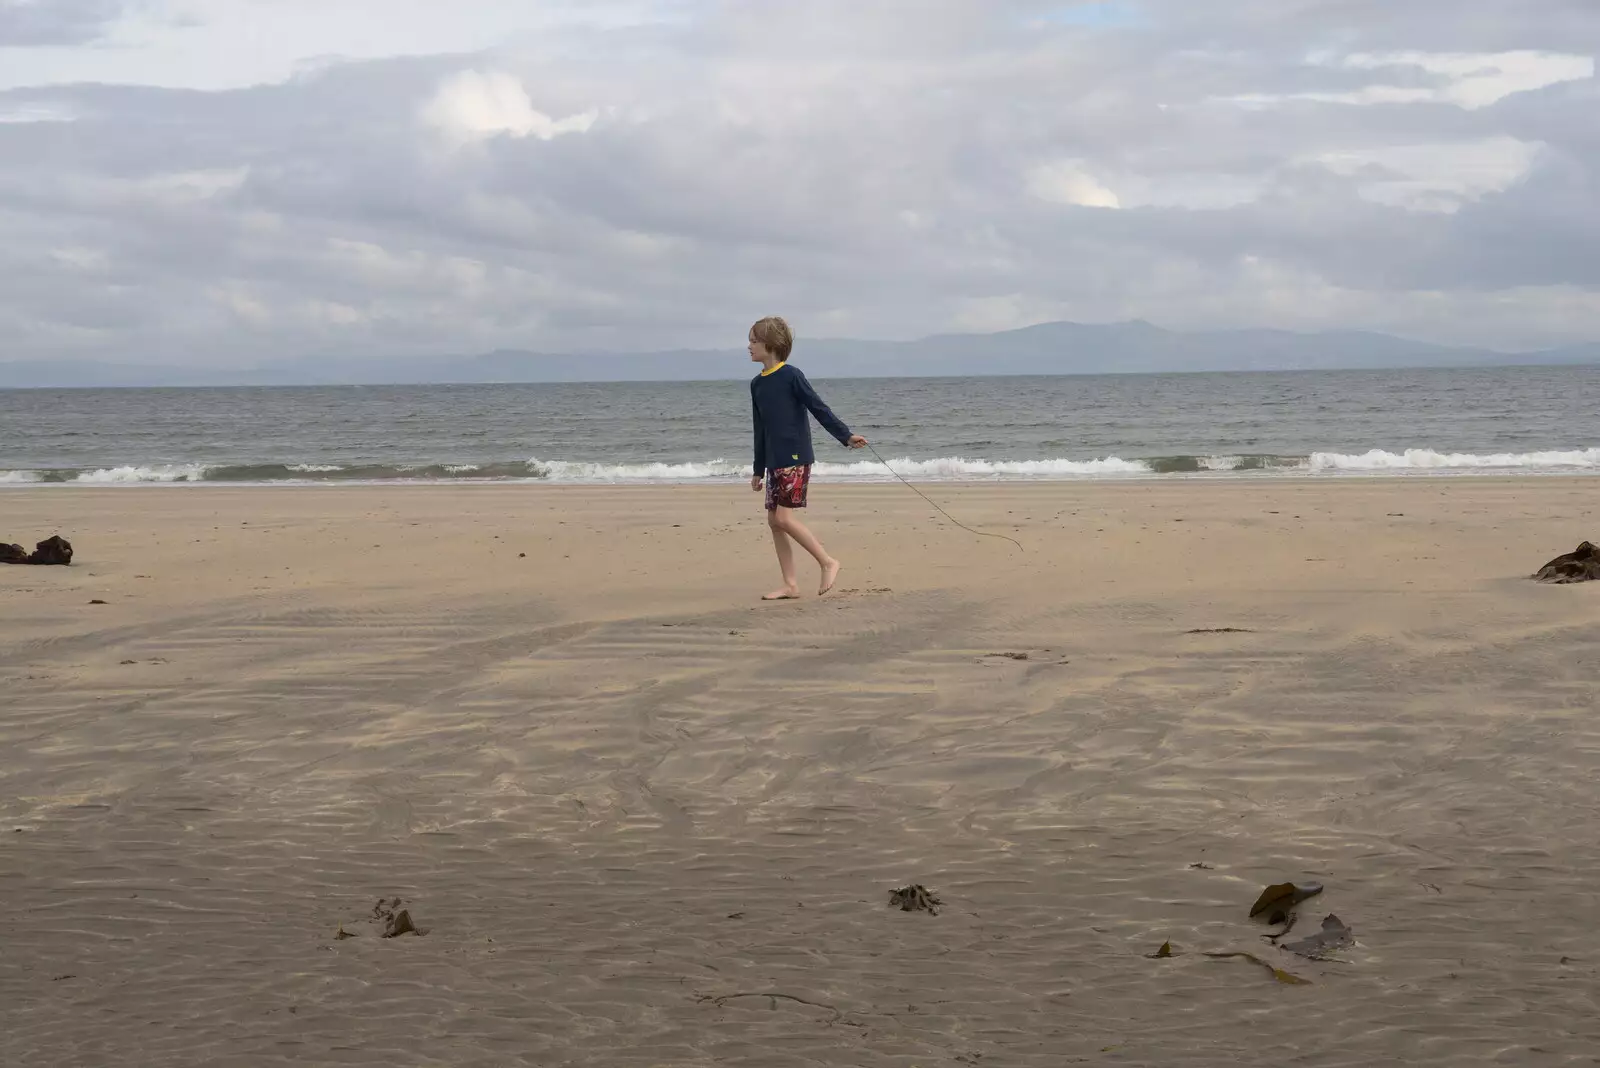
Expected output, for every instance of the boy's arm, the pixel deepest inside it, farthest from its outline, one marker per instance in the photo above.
(830, 422)
(761, 438)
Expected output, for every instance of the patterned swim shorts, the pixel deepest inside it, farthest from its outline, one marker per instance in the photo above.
(786, 487)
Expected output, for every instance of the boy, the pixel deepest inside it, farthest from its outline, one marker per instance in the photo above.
(780, 397)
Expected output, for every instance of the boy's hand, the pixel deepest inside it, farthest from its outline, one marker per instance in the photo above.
(755, 483)
(857, 441)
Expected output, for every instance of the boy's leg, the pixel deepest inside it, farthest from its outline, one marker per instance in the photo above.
(786, 524)
(786, 494)
(785, 549)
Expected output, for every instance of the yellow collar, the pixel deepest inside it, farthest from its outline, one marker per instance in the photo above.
(765, 371)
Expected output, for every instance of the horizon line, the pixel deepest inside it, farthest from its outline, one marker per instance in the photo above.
(836, 378)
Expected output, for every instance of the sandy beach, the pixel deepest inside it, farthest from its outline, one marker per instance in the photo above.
(646, 820)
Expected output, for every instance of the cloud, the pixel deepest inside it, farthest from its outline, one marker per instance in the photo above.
(1464, 80)
(43, 111)
(594, 176)
(186, 186)
(474, 105)
(1436, 177)
(234, 44)
(1068, 182)
(34, 23)
(1475, 80)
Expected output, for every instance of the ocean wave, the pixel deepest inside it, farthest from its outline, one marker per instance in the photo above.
(1429, 460)
(132, 473)
(578, 471)
(955, 467)
(1375, 462)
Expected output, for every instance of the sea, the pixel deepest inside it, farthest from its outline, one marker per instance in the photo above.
(1533, 421)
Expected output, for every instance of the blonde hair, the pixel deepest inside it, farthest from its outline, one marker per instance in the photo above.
(775, 334)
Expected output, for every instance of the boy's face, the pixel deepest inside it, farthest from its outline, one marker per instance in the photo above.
(758, 351)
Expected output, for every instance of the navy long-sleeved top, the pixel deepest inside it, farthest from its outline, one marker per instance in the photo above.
(780, 401)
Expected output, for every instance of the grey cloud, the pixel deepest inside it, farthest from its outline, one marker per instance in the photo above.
(863, 173)
(1374, 25)
(33, 23)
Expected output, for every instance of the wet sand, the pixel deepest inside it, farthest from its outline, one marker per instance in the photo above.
(649, 821)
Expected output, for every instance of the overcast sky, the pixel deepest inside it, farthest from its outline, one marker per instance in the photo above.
(229, 182)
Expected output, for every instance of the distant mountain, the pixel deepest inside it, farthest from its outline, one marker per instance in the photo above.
(1574, 354)
(1046, 349)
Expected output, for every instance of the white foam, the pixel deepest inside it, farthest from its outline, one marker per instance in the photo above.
(955, 467)
(1429, 460)
(574, 471)
(164, 473)
(947, 468)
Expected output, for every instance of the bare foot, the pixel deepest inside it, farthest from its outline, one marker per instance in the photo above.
(788, 593)
(830, 575)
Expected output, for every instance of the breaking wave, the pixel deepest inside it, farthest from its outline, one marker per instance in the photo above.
(1428, 460)
(573, 471)
(130, 473)
(1375, 462)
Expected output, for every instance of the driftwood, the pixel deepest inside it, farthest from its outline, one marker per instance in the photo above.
(1580, 565)
(53, 550)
